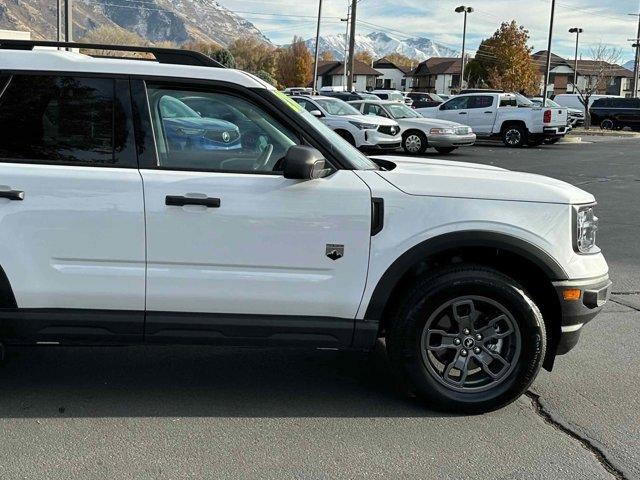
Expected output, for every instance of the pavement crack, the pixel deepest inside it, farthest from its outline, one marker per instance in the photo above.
(595, 450)
(625, 304)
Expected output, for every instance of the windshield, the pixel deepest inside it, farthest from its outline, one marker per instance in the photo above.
(399, 110)
(523, 101)
(171, 107)
(336, 107)
(550, 103)
(396, 97)
(335, 141)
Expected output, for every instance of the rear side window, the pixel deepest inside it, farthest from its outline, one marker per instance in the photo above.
(63, 120)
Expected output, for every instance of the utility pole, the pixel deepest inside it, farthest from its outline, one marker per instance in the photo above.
(577, 31)
(548, 69)
(465, 10)
(352, 45)
(59, 27)
(68, 21)
(315, 66)
(636, 67)
(346, 46)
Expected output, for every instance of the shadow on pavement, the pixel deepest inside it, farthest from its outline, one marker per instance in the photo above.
(199, 381)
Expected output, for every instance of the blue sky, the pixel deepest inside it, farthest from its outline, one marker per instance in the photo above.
(603, 21)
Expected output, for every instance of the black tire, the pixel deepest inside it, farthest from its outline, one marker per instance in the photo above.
(347, 136)
(426, 300)
(414, 142)
(445, 150)
(514, 136)
(607, 124)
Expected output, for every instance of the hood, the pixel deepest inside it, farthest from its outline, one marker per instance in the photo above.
(201, 122)
(428, 122)
(443, 178)
(373, 119)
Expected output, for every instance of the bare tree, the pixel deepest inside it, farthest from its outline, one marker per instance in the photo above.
(599, 73)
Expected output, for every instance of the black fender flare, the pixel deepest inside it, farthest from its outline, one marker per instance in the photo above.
(7, 298)
(470, 239)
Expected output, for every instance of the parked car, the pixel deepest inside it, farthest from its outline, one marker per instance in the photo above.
(475, 276)
(418, 132)
(445, 97)
(425, 100)
(394, 95)
(616, 113)
(408, 101)
(365, 133)
(575, 116)
(574, 100)
(348, 96)
(185, 129)
(497, 115)
(298, 91)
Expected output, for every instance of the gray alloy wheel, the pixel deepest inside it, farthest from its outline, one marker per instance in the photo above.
(607, 124)
(471, 344)
(514, 136)
(414, 143)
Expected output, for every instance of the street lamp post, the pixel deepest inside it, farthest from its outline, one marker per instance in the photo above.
(466, 11)
(577, 31)
(548, 69)
(317, 53)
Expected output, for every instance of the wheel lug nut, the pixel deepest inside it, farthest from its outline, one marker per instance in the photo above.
(463, 353)
(476, 350)
(456, 341)
(478, 337)
(465, 331)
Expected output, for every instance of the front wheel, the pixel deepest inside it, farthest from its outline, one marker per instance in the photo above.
(514, 136)
(414, 143)
(467, 339)
(445, 150)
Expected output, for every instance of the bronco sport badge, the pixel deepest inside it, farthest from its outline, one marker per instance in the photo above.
(335, 252)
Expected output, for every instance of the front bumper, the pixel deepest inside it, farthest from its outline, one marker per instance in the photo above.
(373, 139)
(452, 140)
(576, 313)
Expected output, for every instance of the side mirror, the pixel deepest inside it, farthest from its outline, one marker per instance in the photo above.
(316, 113)
(303, 163)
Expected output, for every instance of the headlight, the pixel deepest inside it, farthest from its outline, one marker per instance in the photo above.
(585, 229)
(441, 131)
(364, 126)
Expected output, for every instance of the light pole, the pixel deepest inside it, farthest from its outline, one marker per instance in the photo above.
(548, 69)
(315, 66)
(636, 67)
(346, 47)
(577, 31)
(466, 11)
(352, 44)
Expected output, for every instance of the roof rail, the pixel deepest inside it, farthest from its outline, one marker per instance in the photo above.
(172, 56)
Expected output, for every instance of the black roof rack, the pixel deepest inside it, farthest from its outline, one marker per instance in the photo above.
(172, 56)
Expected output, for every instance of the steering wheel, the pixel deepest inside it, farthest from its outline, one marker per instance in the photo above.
(263, 160)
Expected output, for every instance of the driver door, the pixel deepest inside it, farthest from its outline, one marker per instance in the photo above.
(236, 253)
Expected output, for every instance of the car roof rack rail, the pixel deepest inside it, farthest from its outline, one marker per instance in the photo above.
(170, 56)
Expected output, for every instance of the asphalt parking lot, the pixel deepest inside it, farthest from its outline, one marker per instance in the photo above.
(173, 413)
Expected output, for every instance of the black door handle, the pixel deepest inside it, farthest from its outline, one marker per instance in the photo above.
(180, 201)
(463, 113)
(12, 194)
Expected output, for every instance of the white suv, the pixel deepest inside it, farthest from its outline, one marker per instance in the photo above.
(363, 132)
(127, 219)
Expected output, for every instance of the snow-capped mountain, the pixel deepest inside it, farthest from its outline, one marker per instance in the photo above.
(380, 44)
(629, 65)
(175, 21)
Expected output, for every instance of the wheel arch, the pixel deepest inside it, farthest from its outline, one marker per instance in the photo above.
(7, 298)
(531, 266)
(509, 123)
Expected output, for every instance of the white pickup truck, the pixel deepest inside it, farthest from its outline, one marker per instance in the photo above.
(511, 117)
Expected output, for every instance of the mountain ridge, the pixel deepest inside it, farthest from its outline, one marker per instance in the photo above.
(177, 21)
(380, 44)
